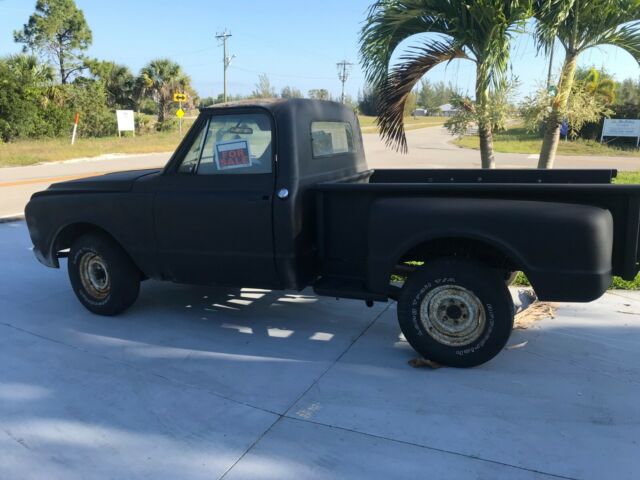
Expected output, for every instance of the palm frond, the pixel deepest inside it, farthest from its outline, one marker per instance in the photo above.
(550, 16)
(401, 80)
(389, 22)
(626, 37)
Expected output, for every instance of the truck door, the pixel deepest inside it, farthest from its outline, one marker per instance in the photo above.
(213, 210)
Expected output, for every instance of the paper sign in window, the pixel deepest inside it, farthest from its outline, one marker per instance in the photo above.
(233, 154)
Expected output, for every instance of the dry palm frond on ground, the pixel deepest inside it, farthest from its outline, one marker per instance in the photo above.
(535, 312)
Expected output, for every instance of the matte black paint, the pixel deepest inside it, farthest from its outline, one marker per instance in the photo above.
(344, 227)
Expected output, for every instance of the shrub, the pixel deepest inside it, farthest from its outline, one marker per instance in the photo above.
(169, 125)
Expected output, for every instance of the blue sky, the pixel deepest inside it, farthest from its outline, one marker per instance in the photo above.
(295, 43)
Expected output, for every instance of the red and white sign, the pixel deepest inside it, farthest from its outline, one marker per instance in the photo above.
(233, 154)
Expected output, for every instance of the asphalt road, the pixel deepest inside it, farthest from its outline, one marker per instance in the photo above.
(428, 148)
(196, 383)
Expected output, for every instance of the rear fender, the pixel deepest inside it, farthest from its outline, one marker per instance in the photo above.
(565, 249)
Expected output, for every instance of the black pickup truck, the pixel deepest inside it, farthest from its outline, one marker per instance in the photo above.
(278, 195)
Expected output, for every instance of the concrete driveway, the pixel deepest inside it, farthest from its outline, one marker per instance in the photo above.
(208, 383)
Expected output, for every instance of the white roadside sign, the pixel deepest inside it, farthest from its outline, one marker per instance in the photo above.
(621, 127)
(126, 121)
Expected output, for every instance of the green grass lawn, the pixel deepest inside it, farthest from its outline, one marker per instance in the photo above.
(29, 152)
(368, 124)
(518, 140)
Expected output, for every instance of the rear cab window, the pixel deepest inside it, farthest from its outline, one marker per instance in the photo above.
(331, 138)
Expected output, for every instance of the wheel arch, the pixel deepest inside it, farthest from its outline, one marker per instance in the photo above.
(66, 235)
(482, 248)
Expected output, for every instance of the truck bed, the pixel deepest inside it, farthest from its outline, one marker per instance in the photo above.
(349, 203)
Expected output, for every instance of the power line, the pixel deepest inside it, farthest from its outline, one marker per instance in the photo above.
(344, 68)
(226, 59)
(287, 75)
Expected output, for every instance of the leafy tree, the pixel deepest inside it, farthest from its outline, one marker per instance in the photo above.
(319, 94)
(58, 30)
(410, 103)
(264, 89)
(479, 31)
(583, 107)
(500, 108)
(291, 92)
(580, 25)
(432, 95)
(119, 83)
(32, 105)
(88, 98)
(368, 101)
(230, 98)
(21, 90)
(207, 101)
(629, 92)
(161, 78)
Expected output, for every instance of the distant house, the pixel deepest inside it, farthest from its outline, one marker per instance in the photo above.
(446, 110)
(419, 112)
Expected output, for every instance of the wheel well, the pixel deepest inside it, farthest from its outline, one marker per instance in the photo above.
(70, 233)
(460, 247)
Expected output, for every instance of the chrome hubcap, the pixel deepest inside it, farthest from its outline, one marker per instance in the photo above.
(452, 315)
(94, 275)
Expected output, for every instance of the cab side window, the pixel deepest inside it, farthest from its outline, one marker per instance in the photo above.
(190, 162)
(231, 145)
(237, 144)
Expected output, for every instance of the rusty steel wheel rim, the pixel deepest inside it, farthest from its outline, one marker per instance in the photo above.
(452, 315)
(94, 275)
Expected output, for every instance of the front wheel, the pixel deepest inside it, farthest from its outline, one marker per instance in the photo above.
(102, 275)
(456, 312)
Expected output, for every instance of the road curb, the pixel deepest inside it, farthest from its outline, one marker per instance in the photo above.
(12, 218)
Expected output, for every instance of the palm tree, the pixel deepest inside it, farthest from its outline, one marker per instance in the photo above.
(580, 25)
(597, 83)
(29, 71)
(119, 82)
(161, 78)
(479, 31)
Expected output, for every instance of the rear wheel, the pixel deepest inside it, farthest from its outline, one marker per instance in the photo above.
(102, 275)
(456, 312)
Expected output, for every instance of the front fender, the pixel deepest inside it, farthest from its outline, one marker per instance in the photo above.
(565, 249)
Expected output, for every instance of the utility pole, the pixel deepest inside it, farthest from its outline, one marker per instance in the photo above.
(226, 59)
(344, 68)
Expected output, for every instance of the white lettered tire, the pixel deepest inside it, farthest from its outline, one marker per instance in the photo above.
(456, 312)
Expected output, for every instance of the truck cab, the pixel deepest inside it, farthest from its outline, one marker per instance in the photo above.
(254, 217)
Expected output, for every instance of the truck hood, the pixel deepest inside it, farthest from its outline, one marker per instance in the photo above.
(110, 182)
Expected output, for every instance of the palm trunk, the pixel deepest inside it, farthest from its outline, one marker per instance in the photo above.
(486, 146)
(161, 110)
(558, 109)
(484, 122)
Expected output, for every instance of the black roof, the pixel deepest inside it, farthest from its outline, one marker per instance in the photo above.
(273, 103)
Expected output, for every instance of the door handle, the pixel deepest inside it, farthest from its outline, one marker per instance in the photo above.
(283, 193)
